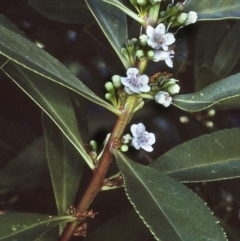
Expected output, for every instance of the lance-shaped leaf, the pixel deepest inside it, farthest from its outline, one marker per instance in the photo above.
(65, 165)
(27, 54)
(224, 90)
(113, 23)
(214, 10)
(51, 98)
(70, 11)
(168, 208)
(28, 226)
(206, 158)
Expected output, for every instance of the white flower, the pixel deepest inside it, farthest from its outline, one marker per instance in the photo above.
(135, 83)
(142, 138)
(192, 18)
(158, 38)
(166, 56)
(126, 139)
(163, 98)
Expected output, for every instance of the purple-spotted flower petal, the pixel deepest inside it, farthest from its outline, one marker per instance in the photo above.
(135, 83)
(164, 55)
(158, 38)
(163, 98)
(142, 138)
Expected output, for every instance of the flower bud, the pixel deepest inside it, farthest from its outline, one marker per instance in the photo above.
(109, 86)
(173, 89)
(141, 2)
(108, 96)
(162, 14)
(181, 19)
(150, 54)
(192, 18)
(143, 39)
(163, 98)
(126, 139)
(93, 145)
(116, 79)
(124, 148)
(179, 6)
(140, 54)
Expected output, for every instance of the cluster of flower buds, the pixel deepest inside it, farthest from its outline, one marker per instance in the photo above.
(174, 15)
(157, 44)
(130, 51)
(140, 138)
(115, 94)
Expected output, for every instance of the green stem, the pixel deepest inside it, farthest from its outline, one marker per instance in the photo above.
(101, 169)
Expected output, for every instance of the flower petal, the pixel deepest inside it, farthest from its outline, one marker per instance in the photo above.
(160, 29)
(169, 38)
(150, 31)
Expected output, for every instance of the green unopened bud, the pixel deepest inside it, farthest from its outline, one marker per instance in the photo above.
(179, 6)
(109, 86)
(169, 8)
(173, 89)
(108, 96)
(143, 39)
(140, 54)
(172, 19)
(124, 148)
(93, 145)
(124, 52)
(181, 19)
(150, 54)
(171, 81)
(162, 14)
(141, 2)
(116, 79)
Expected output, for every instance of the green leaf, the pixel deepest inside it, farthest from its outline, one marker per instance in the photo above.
(214, 10)
(170, 210)
(64, 163)
(51, 98)
(115, 229)
(126, 10)
(113, 24)
(28, 226)
(206, 158)
(25, 53)
(226, 89)
(228, 52)
(70, 11)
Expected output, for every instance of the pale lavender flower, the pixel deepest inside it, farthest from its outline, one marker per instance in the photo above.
(142, 138)
(164, 55)
(163, 98)
(158, 38)
(135, 83)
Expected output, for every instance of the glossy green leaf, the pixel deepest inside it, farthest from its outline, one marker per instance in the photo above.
(25, 53)
(113, 23)
(216, 93)
(52, 235)
(170, 210)
(214, 10)
(51, 98)
(228, 53)
(115, 229)
(71, 11)
(126, 10)
(207, 158)
(65, 165)
(28, 226)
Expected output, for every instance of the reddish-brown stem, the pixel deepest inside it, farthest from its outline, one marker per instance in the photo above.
(101, 169)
